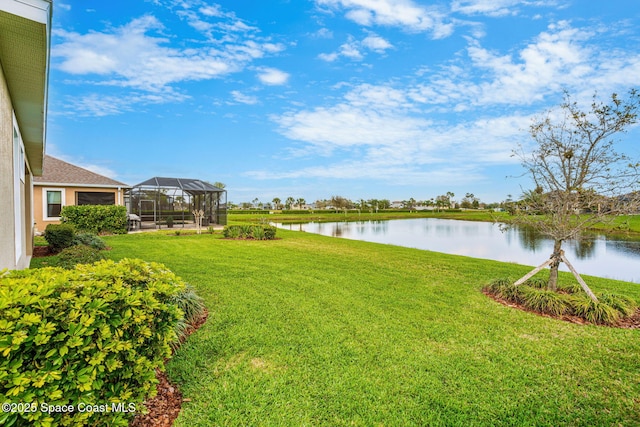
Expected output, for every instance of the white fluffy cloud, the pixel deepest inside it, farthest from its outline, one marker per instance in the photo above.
(272, 76)
(390, 125)
(404, 14)
(498, 7)
(142, 56)
(242, 98)
(357, 50)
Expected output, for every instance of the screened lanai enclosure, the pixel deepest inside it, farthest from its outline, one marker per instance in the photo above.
(171, 202)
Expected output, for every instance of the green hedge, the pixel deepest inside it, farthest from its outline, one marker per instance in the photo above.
(88, 338)
(96, 218)
(248, 211)
(297, 212)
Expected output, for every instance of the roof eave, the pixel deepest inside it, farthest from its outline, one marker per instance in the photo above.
(27, 36)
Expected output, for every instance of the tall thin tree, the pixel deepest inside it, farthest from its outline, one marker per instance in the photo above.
(580, 179)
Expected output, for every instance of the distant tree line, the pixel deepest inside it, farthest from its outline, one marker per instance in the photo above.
(340, 203)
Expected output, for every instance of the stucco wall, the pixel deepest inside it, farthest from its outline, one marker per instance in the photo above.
(69, 200)
(7, 208)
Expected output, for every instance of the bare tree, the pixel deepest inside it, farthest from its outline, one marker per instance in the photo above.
(581, 180)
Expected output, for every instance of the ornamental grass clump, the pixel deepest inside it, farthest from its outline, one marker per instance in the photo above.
(545, 301)
(91, 337)
(568, 300)
(193, 309)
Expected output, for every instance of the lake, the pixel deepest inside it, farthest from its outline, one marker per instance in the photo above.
(595, 254)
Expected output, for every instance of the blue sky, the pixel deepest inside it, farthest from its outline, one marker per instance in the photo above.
(387, 99)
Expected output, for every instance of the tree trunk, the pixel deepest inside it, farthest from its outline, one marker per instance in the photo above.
(553, 273)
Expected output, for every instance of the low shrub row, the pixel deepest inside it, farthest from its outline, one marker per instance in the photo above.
(96, 219)
(296, 211)
(249, 211)
(572, 301)
(255, 232)
(87, 341)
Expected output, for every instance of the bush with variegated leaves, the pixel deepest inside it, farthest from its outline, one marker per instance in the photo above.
(93, 335)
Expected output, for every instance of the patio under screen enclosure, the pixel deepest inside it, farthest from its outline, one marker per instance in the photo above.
(171, 201)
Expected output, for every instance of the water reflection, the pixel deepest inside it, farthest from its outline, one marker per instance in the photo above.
(594, 254)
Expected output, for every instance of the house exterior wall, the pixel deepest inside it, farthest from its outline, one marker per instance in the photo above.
(7, 207)
(68, 199)
(16, 236)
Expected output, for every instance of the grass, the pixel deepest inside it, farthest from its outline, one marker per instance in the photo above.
(329, 216)
(309, 330)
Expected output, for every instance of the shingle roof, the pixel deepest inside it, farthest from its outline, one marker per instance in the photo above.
(57, 171)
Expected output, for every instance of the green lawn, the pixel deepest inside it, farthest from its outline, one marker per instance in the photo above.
(325, 216)
(311, 330)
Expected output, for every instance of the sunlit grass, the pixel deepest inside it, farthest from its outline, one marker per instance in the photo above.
(311, 330)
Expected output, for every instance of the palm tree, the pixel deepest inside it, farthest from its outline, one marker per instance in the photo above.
(276, 201)
(300, 202)
(290, 201)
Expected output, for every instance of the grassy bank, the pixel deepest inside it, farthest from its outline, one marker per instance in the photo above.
(625, 224)
(312, 330)
(330, 216)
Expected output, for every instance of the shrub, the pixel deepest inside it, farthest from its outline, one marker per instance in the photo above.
(270, 232)
(59, 236)
(89, 239)
(80, 254)
(92, 335)
(257, 232)
(96, 218)
(571, 300)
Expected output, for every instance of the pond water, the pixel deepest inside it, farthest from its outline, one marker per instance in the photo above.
(595, 254)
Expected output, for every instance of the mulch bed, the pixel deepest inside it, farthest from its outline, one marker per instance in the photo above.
(165, 407)
(631, 322)
(41, 251)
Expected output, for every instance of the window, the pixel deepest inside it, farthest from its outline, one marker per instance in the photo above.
(19, 154)
(53, 203)
(95, 198)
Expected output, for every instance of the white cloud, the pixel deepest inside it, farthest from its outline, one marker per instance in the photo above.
(356, 50)
(244, 99)
(376, 43)
(562, 57)
(133, 58)
(499, 7)
(404, 14)
(470, 113)
(141, 56)
(329, 57)
(323, 33)
(272, 76)
(100, 105)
